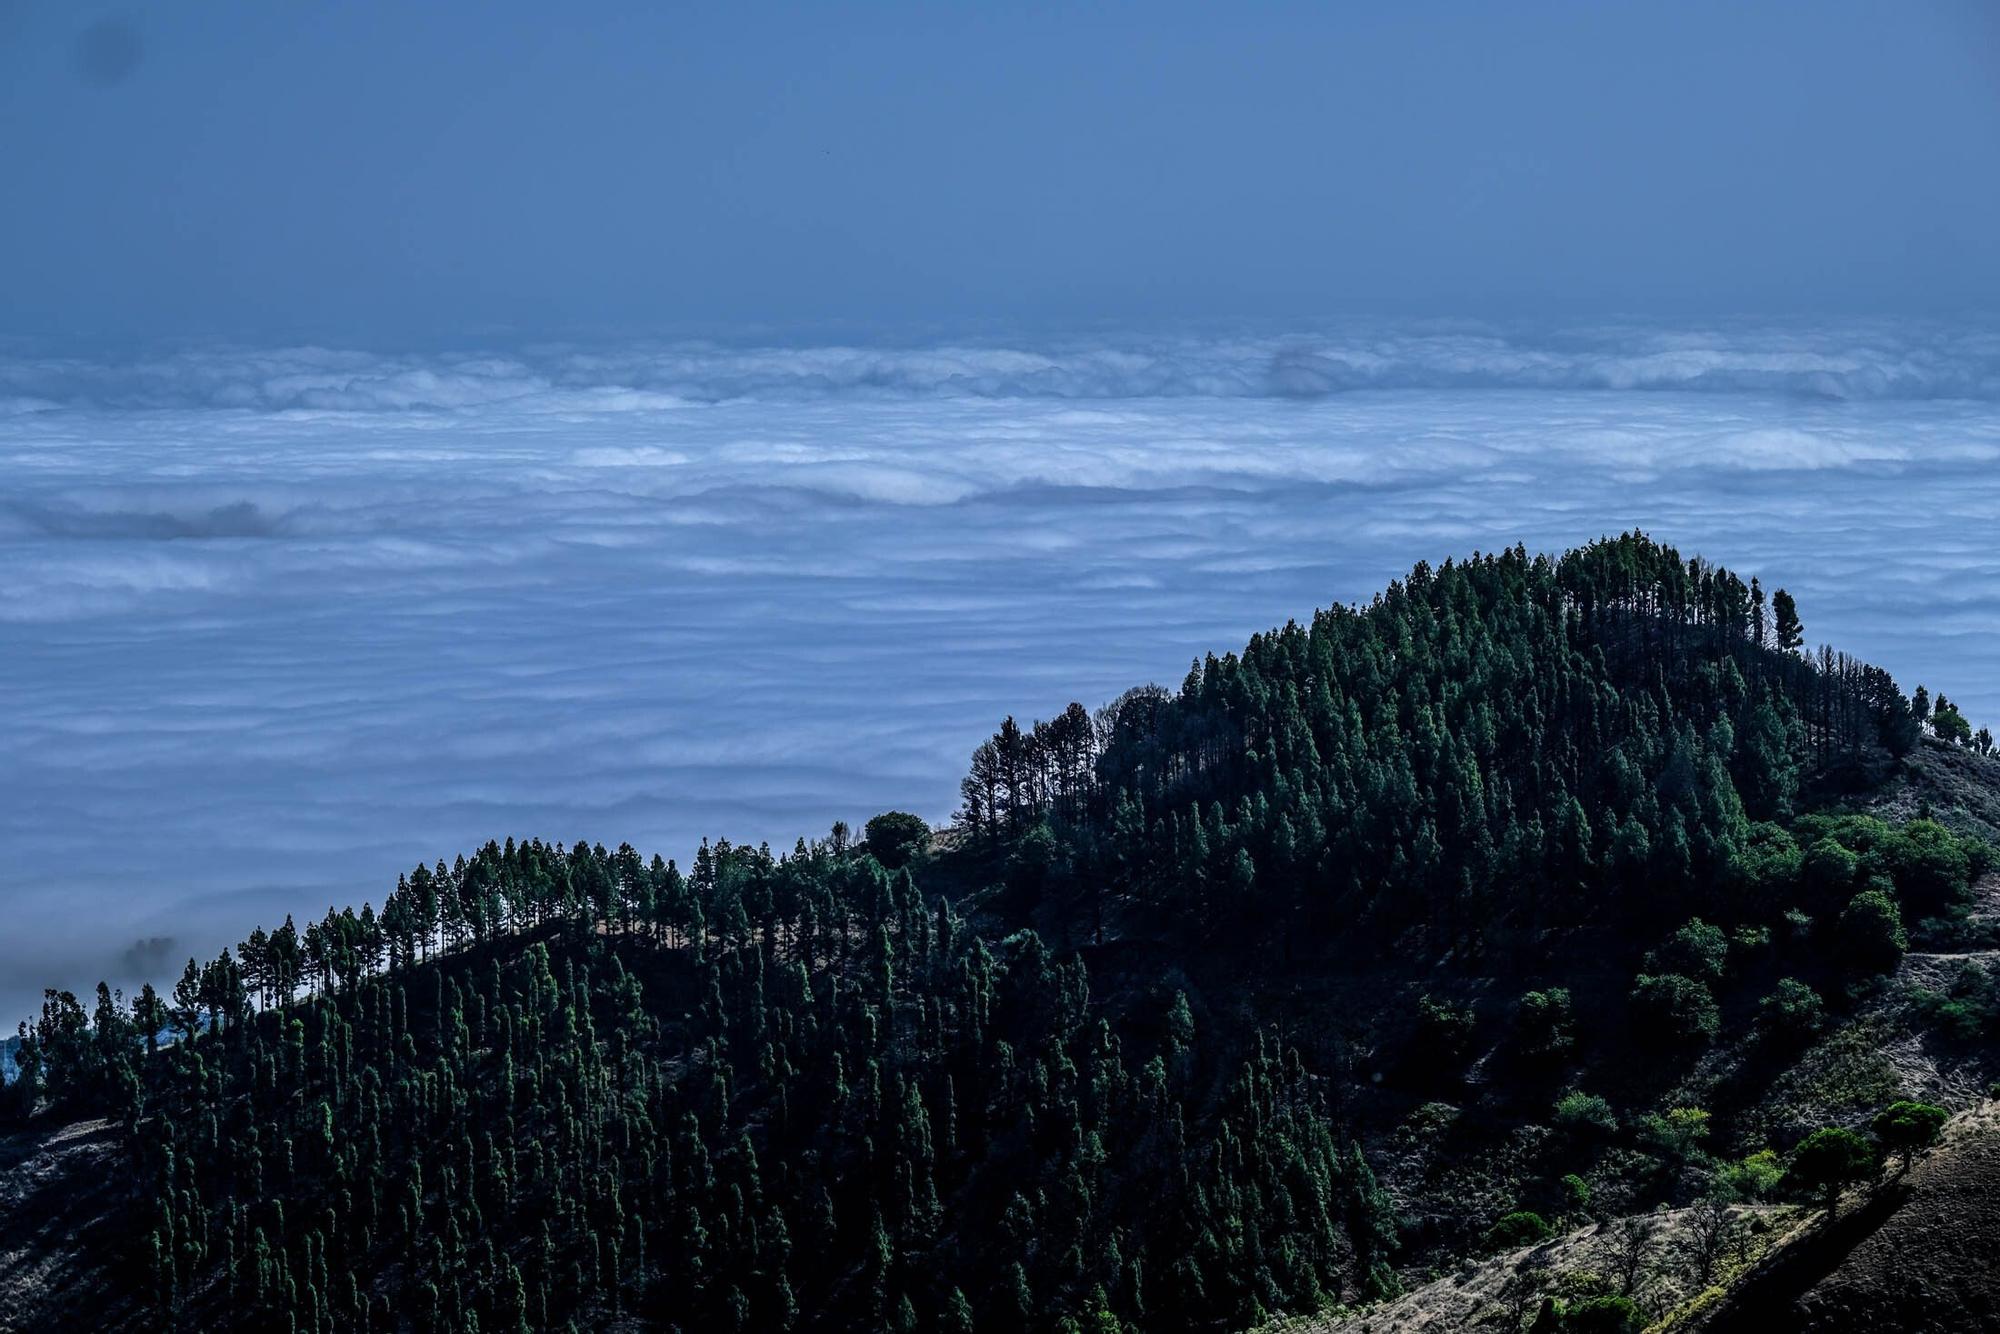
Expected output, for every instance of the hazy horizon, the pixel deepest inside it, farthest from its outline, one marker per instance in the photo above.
(380, 176)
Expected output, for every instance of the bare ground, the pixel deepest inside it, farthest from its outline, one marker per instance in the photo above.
(59, 1187)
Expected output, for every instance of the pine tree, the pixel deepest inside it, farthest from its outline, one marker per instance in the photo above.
(1785, 614)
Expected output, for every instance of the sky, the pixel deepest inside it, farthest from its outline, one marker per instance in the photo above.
(400, 175)
(423, 424)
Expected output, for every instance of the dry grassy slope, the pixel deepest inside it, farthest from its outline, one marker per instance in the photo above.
(1502, 1291)
(1960, 788)
(1887, 1050)
(1922, 1255)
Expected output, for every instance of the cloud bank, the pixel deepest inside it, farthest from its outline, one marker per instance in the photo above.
(279, 623)
(1886, 360)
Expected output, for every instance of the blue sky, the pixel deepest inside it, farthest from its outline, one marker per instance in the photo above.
(392, 174)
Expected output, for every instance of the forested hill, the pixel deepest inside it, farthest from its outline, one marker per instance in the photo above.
(1375, 933)
(1509, 738)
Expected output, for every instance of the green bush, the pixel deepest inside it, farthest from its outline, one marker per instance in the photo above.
(1871, 932)
(1753, 1176)
(1955, 932)
(1793, 1012)
(1922, 864)
(1764, 874)
(1697, 950)
(1603, 1315)
(1544, 1027)
(1830, 873)
(1444, 1032)
(1575, 1194)
(1523, 1227)
(1585, 1115)
(1749, 944)
(1676, 1137)
(1674, 1010)
(1967, 1009)
(897, 838)
(1931, 867)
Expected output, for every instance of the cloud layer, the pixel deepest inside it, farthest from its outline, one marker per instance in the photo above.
(1885, 360)
(279, 623)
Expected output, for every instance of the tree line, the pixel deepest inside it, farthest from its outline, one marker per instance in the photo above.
(1512, 738)
(552, 1085)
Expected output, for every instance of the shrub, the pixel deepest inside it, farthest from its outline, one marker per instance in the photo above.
(1765, 872)
(1430, 1121)
(1932, 868)
(1871, 931)
(1967, 1009)
(1674, 1010)
(1748, 944)
(1677, 1136)
(897, 838)
(1696, 950)
(1830, 872)
(1792, 1013)
(1603, 1315)
(1576, 1285)
(1544, 1027)
(1444, 1031)
(1523, 1227)
(1585, 1115)
(1955, 932)
(1575, 1194)
(1754, 1176)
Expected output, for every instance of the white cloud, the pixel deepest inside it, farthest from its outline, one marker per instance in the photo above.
(1888, 360)
(1782, 448)
(276, 624)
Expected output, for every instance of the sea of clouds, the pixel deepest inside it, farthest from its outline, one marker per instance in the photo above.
(277, 623)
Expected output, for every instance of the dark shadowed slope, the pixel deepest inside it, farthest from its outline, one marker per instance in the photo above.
(1922, 1255)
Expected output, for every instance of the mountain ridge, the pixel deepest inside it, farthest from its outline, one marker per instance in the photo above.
(1382, 908)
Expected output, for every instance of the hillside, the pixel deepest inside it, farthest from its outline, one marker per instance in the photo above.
(1918, 1252)
(1921, 1254)
(1538, 889)
(1665, 1259)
